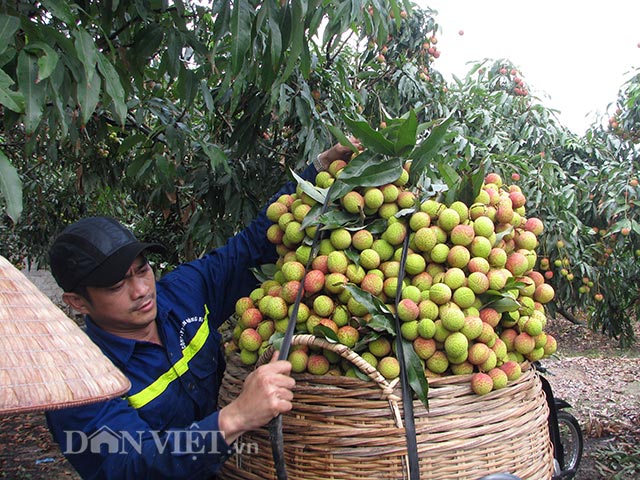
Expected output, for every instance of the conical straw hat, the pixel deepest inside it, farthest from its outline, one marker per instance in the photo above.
(46, 361)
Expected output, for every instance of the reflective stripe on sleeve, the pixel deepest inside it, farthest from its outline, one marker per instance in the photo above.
(154, 390)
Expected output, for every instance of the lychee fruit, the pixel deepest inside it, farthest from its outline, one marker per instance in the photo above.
(353, 202)
(424, 347)
(314, 281)
(250, 340)
(499, 378)
(389, 367)
(512, 369)
(362, 239)
(348, 335)
(318, 364)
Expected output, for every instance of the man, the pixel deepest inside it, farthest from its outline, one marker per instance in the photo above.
(163, 336)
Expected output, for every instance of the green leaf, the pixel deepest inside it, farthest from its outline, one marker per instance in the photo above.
(325, 332)
(8, 27)
(500, 302)
(415, 372)
(367, 170)
(370, 138)
(12, 100)
(34, 93)
(114, 88)
(241, 34)
(217, 157)
(382, 323)
(10, 188)
(318, 194)
(382, 318)
(87, 54)
(427, 150)
(88, 97)
(60, 9)
(338, 218)
(131, 141)
(46, 62)
(407, 135)
(501, 235)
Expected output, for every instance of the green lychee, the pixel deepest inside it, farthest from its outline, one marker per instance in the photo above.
(438, 362)
(277, 308)
(439, 253)
(390, 193)
(369, 259)
(425, 239)
(275, 210)
(409, 330)
(353, 202)
(340, 238)
(452, 317)
(455, 278)
(337, 262)
(440, 293)
(389, 367)
(373, 198)
(456, 345)
(380, 347)
(478, 282)
(448, 219)
(415, 264)
(419, 220)
(426, 327)
(472, 327)
(298, 360)
(248, 357)
(395, 233)
(464, 297)
(362, 239)
(412, 293)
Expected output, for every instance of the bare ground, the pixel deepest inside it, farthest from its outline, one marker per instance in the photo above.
(598, 379)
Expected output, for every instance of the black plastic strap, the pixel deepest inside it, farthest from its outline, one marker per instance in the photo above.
(407, 394)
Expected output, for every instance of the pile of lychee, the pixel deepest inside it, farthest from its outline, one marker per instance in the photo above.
(463, 263)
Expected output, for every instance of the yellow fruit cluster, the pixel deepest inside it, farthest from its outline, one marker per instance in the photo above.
(457, 254)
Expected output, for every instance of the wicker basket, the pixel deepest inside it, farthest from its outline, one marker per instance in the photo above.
(346, 428)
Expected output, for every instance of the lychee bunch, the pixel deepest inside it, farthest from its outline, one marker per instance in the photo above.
(472, 301)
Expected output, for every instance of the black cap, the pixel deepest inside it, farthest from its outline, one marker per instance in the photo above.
(95, 252)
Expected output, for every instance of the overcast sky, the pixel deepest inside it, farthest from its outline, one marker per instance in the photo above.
(575, 55)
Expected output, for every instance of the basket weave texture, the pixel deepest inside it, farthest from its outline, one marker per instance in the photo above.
(346, 428)
(46, 360)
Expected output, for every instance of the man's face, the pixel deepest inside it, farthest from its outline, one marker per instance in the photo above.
(128, 306)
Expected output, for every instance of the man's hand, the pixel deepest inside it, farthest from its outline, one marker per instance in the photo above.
(338, 152)
(267, 392)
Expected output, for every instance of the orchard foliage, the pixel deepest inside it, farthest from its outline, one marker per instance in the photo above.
(182, 118)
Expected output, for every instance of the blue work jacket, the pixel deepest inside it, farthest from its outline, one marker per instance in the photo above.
(167, 424)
